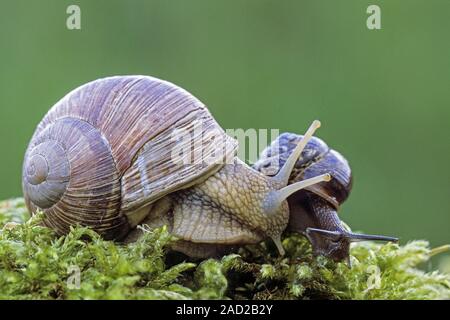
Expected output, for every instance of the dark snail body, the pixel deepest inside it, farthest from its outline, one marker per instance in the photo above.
(314, 210)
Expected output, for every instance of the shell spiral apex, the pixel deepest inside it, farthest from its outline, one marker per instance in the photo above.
(46, 173)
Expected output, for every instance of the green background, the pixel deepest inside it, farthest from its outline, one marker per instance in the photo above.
(382, 96)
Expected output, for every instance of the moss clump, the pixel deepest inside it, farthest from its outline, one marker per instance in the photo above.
(36, 264)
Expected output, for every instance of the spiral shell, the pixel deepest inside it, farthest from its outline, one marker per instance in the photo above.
(102, 153)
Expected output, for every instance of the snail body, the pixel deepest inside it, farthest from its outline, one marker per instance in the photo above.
(314, 209)
(102, 157)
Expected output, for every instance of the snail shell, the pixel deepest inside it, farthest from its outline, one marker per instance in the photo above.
(99, 158)
(317, 158)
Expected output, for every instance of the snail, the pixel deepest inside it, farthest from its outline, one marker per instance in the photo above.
(103, 157)
(313, 210)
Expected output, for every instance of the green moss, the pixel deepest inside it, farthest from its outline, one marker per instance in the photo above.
(36, 264)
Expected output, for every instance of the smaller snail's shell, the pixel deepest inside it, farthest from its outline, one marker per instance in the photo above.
(103, 152)
(316, 159)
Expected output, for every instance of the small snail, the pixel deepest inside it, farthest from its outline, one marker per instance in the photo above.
(102, 158)
(313, 210)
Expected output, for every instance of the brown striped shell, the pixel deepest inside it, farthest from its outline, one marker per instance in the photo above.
(103, 153)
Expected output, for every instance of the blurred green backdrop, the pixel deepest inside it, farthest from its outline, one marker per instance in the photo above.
(382, 96)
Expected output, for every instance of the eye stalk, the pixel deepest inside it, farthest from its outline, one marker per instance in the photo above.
(336, 236)
(336, 244)
(285, 192)
(285, 172)
(275, 198)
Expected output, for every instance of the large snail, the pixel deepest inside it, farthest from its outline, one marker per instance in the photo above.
(313, 210)
(103, 157)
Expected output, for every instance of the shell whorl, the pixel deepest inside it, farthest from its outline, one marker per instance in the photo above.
(46, 173)
(70, 174)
